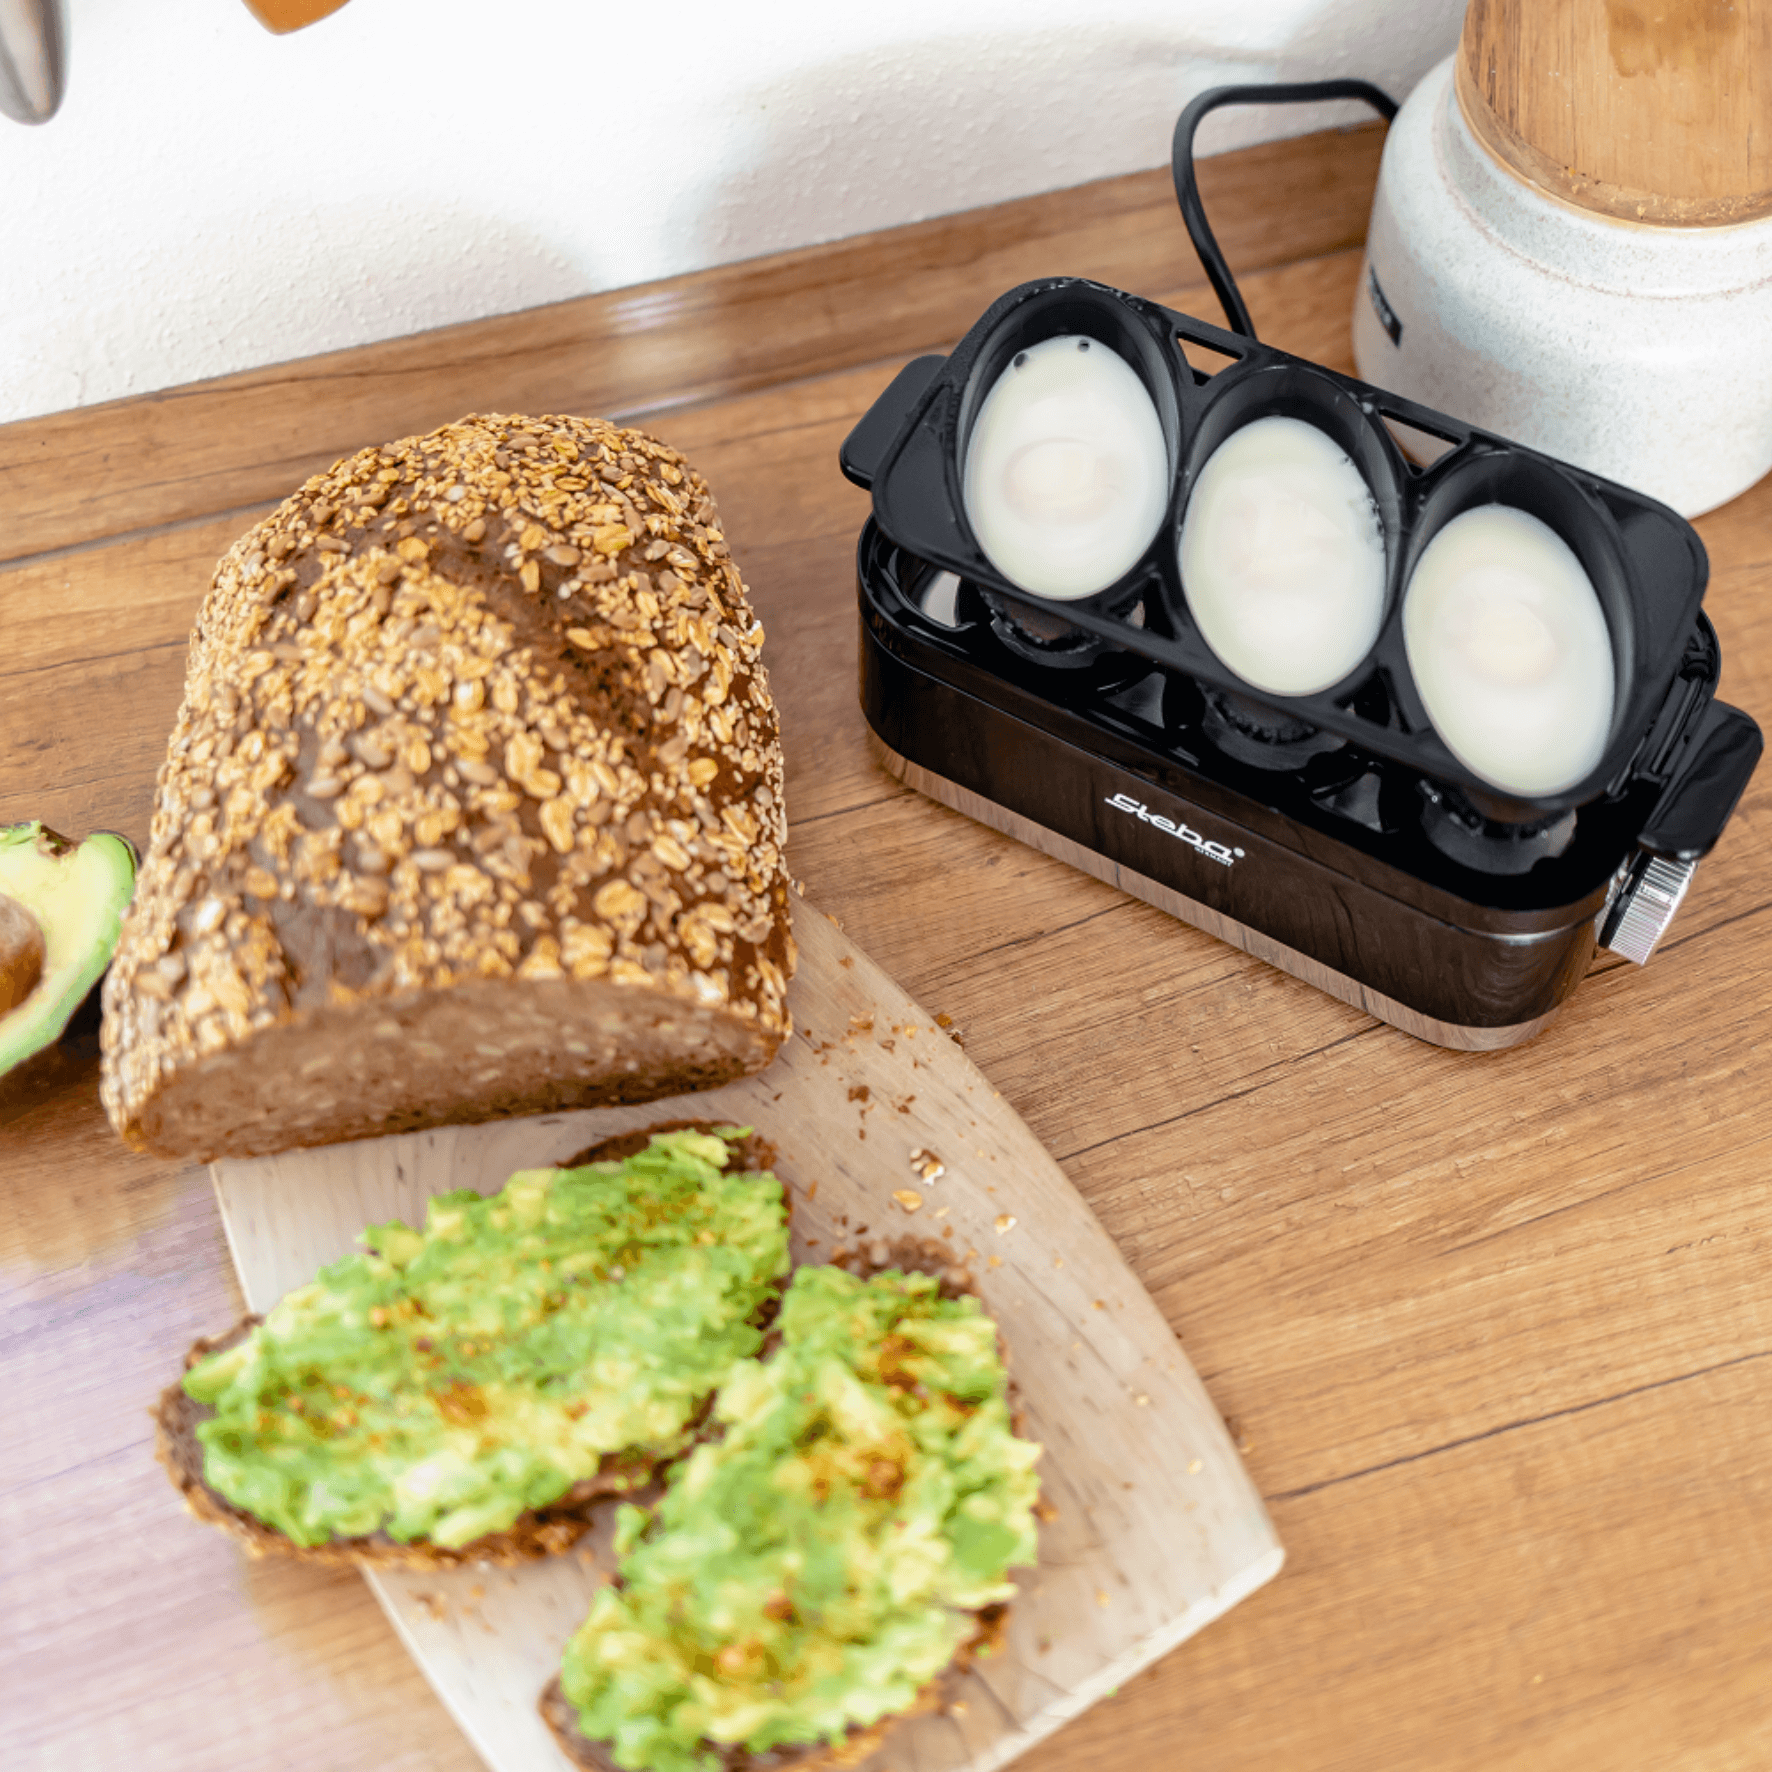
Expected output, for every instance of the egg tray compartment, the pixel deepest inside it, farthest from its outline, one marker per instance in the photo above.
(1373, 820)
(1647, 565)
(1338, 870)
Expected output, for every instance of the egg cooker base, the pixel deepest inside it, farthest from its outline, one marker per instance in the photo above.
(1333, 834)
(1324, 872)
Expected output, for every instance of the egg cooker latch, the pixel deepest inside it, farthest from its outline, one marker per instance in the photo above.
(1688, 819)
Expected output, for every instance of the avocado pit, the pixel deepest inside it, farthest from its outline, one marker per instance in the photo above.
(21, 953)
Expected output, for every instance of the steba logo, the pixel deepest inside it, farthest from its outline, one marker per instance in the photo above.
(1223, 854)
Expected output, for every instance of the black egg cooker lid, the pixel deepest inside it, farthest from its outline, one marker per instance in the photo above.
(1646, 563)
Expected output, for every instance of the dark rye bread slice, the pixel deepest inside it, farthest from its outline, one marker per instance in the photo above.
(473, 807)
(538, 1532)
(561, 1717)
(924, 1255)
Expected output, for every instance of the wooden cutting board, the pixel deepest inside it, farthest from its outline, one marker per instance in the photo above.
(1154, 1527)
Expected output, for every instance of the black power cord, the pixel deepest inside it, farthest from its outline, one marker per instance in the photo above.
(1187, 192)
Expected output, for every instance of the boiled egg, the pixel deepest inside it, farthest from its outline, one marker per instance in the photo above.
(1509, 648)
(1282, 557)
(1067, 475)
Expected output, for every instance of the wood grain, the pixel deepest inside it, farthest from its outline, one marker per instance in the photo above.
(1493, 1329)
(75, 477)
(1155, 1529)
(1638, 109)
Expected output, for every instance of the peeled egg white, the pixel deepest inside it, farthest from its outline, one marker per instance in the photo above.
(1282, 557)
(1509, 648)
(1066, 477)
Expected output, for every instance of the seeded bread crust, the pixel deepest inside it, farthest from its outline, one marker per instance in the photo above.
(925, 1255)
(537, 1532)
(473, 807)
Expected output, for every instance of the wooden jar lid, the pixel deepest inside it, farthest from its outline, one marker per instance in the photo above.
(291, 15)
(1654, 111)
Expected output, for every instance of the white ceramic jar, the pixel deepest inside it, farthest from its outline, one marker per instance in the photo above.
(1642, 353)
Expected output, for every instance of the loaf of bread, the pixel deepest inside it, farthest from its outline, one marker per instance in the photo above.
(473, 807)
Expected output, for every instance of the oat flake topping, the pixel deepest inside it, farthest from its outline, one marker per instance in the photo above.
(481, 704)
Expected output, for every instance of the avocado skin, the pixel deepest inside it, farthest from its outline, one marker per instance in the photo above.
(78, 893)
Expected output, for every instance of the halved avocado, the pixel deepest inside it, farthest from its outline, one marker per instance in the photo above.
(61, 908)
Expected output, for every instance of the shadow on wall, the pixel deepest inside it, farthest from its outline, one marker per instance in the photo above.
(832, 154)
(265, 288)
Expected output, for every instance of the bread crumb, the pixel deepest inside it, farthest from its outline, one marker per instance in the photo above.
(1195, 1466)
(1005, 1223)
(908, 1199)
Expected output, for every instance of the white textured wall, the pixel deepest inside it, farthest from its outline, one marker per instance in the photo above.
(213, 198)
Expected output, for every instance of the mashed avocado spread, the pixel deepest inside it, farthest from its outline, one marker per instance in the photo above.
(810, 1571)
(443, 1381)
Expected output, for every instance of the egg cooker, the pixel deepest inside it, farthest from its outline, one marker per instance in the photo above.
(1334, 834)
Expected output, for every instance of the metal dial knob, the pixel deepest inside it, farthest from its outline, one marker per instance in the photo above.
(1645, 905)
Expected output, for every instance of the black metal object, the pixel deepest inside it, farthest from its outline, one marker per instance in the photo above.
(1334, 833)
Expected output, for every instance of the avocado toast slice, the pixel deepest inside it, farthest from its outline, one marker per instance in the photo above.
(466, 1392)
(828, 1565)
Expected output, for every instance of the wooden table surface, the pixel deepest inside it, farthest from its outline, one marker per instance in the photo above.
(1494, 1331)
